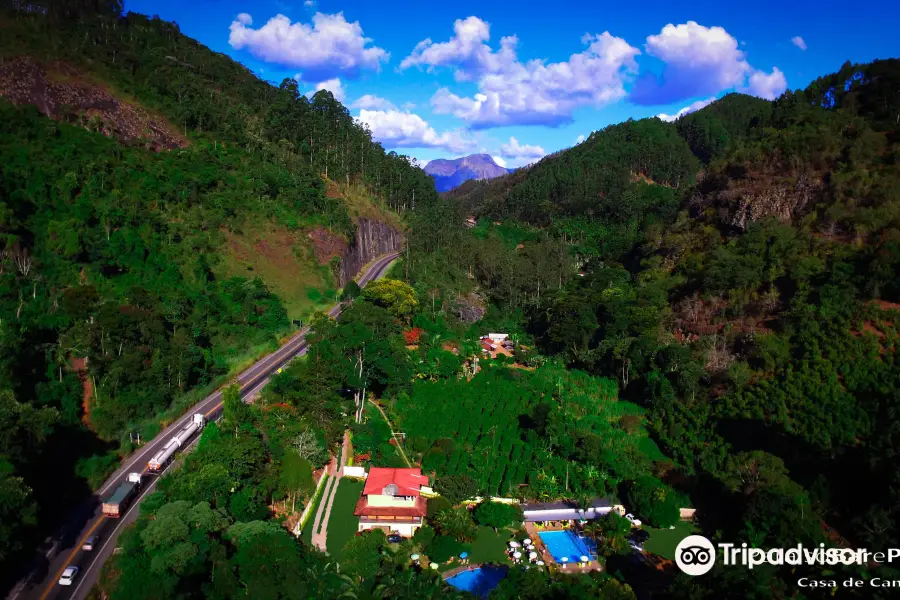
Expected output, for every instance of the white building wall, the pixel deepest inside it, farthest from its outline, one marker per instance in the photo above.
(404, 529)
(393, 501)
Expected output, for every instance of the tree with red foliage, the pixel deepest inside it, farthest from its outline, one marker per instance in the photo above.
(412, 335)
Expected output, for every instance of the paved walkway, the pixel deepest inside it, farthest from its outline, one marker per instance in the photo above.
(336, 470)
(460, 569)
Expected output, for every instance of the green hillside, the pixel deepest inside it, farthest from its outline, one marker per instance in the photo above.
(736, 272)
(700, 314)
(156, 206)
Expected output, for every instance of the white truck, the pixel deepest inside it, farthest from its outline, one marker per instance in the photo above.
(162, 458)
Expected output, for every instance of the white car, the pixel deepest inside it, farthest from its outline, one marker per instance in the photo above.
(69, 575)
(635, 522)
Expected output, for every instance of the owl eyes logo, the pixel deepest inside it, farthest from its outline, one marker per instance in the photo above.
(695, 555)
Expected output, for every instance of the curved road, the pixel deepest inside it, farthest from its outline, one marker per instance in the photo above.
(42, 584)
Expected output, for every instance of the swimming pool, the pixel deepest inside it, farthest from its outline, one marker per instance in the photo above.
(567, 544)
(479, 581)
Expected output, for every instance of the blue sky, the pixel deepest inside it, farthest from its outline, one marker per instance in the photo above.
(517, 79)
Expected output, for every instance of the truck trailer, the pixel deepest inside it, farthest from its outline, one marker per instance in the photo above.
(162, 458)
(117, 502)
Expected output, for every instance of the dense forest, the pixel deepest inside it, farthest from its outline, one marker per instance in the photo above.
(739, 272)
(704, 314)
(117, 309)
(219, 526)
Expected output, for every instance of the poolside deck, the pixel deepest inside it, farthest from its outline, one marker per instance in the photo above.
(533, 533)
(460, 569)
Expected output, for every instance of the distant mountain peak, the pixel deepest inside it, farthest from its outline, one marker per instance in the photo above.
(448, 173)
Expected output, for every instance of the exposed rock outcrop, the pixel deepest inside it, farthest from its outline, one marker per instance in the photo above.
(373, 239)
(327, 245)
(66, 94)
(742, 202)
(469, 308)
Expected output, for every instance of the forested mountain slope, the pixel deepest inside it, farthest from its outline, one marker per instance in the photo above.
(738, 279)
(161, 226)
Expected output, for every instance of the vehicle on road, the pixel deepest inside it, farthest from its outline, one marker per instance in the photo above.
(117, 502)
(69, 575)
(394, 538)
(120, 494)
(162, 458)
(90, 543)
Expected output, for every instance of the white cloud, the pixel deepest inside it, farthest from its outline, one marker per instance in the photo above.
(500, 162)
(409, 105)
(799, 42)
(333, 85)
(768, 86)
(308, 3)
(397, 129)
(466, 50)
(694, 106)
(699, 61)
(516, 150)
(511, 92)
(370, 102)
(579, 139)
(328, 47)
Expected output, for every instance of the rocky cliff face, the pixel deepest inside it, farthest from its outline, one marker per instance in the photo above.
(64, 93)
(448, 174)
(373, 239)
(741, 202)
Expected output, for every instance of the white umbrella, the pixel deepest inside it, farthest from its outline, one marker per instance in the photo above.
(514, 544)
(564, 559)
(584, 558)
(540, 562)
(532, 555)
(517, 555)
(527, 541)
(434, 566)
(414, 556)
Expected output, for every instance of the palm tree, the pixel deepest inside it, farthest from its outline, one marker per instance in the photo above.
(456, 522)
(327, 576)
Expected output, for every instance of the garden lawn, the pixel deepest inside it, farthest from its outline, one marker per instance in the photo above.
(662, 542)
(342, 523)
(306, 533)
(489, 546)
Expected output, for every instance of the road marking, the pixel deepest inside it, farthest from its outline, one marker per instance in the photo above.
(251, 371)
(71, 556)
(285, 349)
(112, 534)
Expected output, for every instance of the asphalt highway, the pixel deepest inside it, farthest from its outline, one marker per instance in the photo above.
(65, 548)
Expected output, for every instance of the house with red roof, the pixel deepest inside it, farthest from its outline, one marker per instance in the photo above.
(392, 500)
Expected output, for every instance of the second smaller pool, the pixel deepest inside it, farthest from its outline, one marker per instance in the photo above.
(479, 581)
(568, 544)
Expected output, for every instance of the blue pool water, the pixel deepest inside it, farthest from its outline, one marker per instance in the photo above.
(478, 581)
(567, 544)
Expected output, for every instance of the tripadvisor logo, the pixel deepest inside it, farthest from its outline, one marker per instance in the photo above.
(695, 555)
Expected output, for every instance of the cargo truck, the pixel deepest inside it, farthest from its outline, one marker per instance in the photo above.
(162, 458)
(116, 504)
